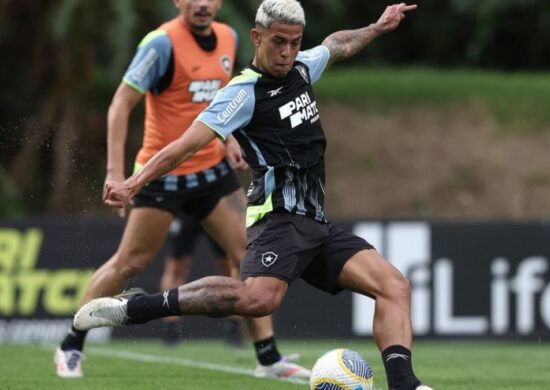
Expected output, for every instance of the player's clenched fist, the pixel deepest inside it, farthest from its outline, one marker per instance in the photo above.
(116, 194)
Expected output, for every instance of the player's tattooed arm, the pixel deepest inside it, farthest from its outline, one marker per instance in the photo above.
(344, 44)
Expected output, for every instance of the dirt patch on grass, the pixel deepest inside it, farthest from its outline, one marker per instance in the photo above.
(454, 162)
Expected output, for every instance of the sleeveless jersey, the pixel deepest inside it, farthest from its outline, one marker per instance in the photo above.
(197, 76)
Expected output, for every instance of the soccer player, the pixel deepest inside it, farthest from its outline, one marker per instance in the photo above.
(179, 67)
(185, 232)
(271, 110)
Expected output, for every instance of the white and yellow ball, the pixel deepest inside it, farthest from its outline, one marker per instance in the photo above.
(341, 369)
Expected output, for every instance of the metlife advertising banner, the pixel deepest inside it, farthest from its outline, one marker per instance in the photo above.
(469, 279)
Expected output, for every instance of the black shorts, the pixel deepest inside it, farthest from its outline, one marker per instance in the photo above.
(289, 246)
(184, 233)
(195, 194)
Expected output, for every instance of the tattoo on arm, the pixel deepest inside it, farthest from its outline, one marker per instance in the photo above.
(344, 44)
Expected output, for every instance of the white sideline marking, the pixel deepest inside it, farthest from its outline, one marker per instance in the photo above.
(142, 357)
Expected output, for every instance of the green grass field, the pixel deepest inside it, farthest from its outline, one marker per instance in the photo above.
(211, 365)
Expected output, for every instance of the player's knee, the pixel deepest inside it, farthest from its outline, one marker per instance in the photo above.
(131, 263)
(132, 270)
(397, 288)
(130, 266)
(262, 308)
(261, 304)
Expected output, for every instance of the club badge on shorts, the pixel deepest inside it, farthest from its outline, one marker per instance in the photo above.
(268, 258)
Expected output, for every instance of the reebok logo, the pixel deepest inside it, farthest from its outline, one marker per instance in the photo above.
(265, 348)
(165, 302)
(275, 92)
(300, 109)
(396, 356)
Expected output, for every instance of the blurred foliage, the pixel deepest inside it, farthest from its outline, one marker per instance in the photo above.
(62, 60)
(517, 100)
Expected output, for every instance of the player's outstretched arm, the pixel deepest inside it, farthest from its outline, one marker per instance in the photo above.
(344, 44)
(124, 101)
(119, 194)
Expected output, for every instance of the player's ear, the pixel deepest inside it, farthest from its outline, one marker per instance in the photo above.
(255, 36)
(220, 3)
(176, 3)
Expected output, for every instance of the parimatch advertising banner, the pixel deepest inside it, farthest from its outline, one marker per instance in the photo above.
(468, 279)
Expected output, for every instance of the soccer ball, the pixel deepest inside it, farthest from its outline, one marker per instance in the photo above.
(341, 369)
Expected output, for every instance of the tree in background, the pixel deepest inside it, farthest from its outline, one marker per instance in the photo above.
(509, 34)
(62, 59)
(65, 57)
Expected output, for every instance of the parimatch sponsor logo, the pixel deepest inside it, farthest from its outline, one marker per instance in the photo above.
(26, 289)
(300, 109)
(204, 90)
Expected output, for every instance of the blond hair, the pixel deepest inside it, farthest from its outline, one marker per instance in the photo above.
(284, 11)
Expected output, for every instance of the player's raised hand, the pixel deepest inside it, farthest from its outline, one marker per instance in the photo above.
(392, 16)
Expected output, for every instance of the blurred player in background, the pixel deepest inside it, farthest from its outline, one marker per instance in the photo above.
(271, 109)
(183, 237)
(179, 68)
